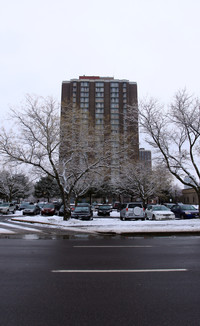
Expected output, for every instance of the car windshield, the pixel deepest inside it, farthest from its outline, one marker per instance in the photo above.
(105, 207)
(134, 205)
(160, 208)
(4, 204)
(48, 206)
(30, 206)
(188, 207)
(81, 209)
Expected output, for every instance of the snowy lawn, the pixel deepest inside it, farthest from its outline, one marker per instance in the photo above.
(112, 225)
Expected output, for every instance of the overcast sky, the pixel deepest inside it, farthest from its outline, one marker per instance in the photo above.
(152, 42)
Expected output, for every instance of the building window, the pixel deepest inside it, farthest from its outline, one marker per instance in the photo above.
(114, 84)
(99, 121)
(99, 105)
(84, 99)
(114, 105)
(84, 105)
(114, 100)
(85, 84)
(84, 95)
(100, 110)
(99, 115)
(99, 84)
(114, 111)
(114, 116)
(99, 100)
(84, 89)
(99, 89)
(99, 94)
(114, 121)
(114, 95)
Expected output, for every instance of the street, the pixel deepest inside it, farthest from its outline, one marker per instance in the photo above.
(88, 280)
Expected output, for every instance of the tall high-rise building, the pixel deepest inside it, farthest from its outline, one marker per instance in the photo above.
(105, 102)
(145, 158)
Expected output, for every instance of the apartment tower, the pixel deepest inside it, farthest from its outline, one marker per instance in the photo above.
(105, 102)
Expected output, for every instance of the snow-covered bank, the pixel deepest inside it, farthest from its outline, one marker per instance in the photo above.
(113, 225)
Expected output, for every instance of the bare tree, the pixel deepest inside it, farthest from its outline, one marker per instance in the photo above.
(64, 149)
(14, 186)
(144, 183)
(175, 134)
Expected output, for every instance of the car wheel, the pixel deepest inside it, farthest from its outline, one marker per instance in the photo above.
(153, 218)
(122, 218)
(182, 216)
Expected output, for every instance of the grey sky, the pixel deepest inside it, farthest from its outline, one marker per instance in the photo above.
(152, 42)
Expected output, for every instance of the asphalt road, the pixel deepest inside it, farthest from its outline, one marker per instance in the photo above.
(100, 281)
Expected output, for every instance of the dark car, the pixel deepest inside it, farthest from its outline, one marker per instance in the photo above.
(85, 205)
(185, 211)
(121, 206)
(82, 213)
(61, 211)
(48, 209)
(31, 210)
(104, 210)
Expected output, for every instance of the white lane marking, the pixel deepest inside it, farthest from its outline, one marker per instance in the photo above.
(14, 226)
(118, 270)
(6, 231)
(112, 246)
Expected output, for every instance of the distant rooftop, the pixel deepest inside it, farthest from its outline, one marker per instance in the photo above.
(94, 77)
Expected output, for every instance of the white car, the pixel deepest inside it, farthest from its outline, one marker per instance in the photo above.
(159, 212)
(7, 208)
(132, 210)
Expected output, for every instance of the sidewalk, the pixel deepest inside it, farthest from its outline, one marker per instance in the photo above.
(114, 225)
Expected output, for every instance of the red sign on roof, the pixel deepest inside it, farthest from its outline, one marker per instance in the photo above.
(89, 77)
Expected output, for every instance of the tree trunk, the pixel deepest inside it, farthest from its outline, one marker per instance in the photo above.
(67, 211)
(198, 194)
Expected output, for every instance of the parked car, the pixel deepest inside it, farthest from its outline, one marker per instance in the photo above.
(57, 205)
(169, 205)
(61, 211)
(82, 213)
(104, 210)
(31, 210)
(72, 207)
(6, 208)
(85, 205)
(48, 209)
(185, 211)
(159, 212)
(132, 210)
(116, 205)
(23, 205)
(121, 206)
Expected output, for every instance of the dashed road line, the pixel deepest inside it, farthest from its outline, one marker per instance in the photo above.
(119, 270)
(112, 246)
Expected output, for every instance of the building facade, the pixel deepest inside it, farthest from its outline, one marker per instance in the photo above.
(145, 158)
(104, 103)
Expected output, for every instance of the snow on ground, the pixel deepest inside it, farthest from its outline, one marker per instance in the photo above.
(2, 231)
(112, 225)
